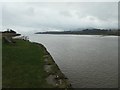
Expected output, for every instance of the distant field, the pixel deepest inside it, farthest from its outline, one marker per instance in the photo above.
(23, 66)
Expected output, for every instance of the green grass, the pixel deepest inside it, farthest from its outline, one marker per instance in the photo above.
(22, 66)
(0, 61)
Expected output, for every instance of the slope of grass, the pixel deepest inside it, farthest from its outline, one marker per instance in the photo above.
(0, 61)
(22, 65)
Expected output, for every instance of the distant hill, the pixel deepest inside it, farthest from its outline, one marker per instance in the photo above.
(84, 32)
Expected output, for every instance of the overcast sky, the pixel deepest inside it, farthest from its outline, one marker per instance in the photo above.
(44, 16)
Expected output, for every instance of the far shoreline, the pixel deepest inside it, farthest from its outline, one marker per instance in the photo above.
(78, 34)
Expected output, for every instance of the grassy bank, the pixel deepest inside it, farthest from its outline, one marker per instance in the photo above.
(30, 65)
(23, 65)
(0, 61)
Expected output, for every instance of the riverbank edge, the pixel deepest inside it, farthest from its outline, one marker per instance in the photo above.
(61, 80)
(54, 75)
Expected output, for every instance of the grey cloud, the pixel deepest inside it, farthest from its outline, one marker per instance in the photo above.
(43, 16)
(66, 13)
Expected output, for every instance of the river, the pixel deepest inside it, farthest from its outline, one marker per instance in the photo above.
(89, 61)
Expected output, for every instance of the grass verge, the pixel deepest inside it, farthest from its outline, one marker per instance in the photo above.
(23, 65)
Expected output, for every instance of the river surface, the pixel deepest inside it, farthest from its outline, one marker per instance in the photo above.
(89, 61)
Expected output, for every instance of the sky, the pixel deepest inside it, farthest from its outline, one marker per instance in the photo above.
(56, 16)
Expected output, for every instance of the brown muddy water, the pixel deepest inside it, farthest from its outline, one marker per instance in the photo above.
(89, 61)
